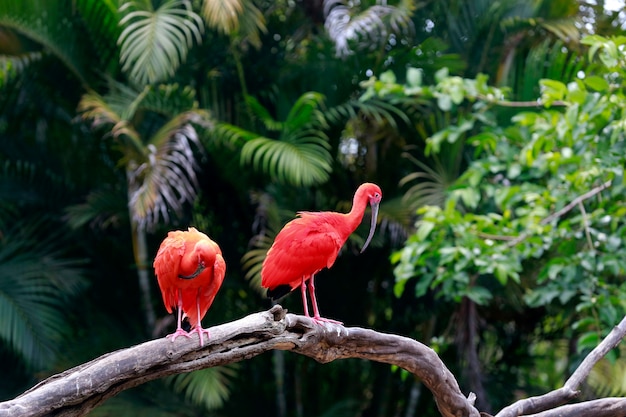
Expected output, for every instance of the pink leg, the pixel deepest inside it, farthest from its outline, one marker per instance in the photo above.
(198, 327)
(304, 301)
(179, 328)
(316, 313)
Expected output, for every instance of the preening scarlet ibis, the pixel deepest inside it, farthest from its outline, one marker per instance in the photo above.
(311, 242)
(190, 270)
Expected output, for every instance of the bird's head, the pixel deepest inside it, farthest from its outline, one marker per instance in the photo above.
(203, 255)
(205, 251)
(374, 195)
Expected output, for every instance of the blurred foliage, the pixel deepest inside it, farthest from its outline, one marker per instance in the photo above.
(539, 207)
(232, 115)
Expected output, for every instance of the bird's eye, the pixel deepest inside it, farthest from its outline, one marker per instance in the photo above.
(376, 195)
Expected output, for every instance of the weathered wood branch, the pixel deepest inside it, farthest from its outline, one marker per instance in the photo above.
(603, 407)
(78, 390)
(569, 391)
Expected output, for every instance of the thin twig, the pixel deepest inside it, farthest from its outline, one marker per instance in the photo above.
(569, 391)
(581, 206)
(557, 214)
(521, 104)
(491, 236)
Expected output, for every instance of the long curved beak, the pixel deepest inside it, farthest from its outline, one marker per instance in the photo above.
(372, 225)
(198, 271)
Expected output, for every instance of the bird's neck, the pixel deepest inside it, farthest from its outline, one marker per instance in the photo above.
(359, 203)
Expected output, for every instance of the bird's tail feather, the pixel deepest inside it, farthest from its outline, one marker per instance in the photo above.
(278, 292)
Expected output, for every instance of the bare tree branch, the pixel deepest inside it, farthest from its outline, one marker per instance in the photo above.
(569, 391)
(605, 407)
(78, 390)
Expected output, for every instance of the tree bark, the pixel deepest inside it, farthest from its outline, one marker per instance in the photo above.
(78, 390)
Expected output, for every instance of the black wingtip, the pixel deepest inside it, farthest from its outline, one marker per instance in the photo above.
(278, 292)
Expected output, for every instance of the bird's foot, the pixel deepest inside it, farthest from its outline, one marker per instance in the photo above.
(201, 332)
(321, 320)
(178, 332)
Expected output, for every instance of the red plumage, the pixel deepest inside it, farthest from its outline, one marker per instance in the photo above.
(312, 242)
(190, 270)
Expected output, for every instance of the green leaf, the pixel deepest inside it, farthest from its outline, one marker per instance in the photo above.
(208, 388)
(424, 229)
(596, 83)
(479, 295)
(444, 101)
(587, 341)
(500, 271)
(414, 77)
(552, 90)
(388, 77)
(423, 283)
(441, 74)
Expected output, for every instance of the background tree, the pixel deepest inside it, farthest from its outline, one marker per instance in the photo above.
(270, 80)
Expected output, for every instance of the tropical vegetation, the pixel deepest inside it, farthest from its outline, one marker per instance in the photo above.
(495, 130)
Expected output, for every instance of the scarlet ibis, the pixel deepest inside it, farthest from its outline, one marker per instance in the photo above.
(311, 242)
(190, 270)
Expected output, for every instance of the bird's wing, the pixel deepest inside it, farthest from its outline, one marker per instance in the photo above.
(302, 248)
(197, 301)
(166, 267)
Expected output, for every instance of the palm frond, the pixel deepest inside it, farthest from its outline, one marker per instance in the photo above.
(263, 114)
(230, 135)
(252, 261)
(208, 388)
(268, 220)
(431, 182)
(13, 65)
(367, 29)
(223, 15)
(563, 29)
(302, 159)
(102, 25)
(305, 111)
(381, 111)
(94, 107)
(155, 42)
(545, 60)
(251, 24)
(300, 156)
(56, 32)
(166, 179)
(102, 208)
(396, 219)
(113, 112)
(169, 99)
(119, 104)
(27, 184)
(154, 399)
(608, 378)
(36, 283)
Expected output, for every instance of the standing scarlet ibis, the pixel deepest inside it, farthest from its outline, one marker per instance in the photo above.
(190, 270)
(311, 242)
